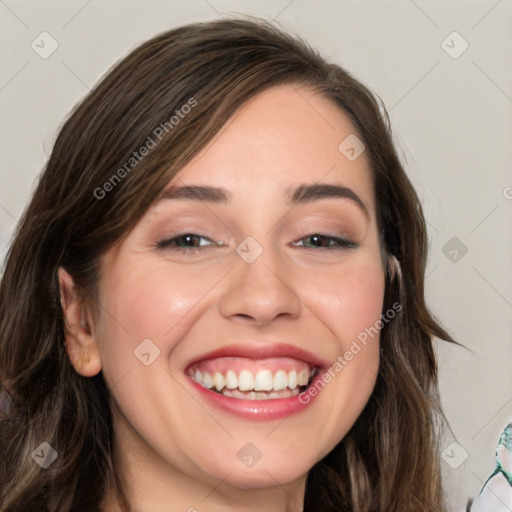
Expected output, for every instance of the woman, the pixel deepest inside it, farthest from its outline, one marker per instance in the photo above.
(215, 298)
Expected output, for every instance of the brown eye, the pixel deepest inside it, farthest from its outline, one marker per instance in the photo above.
(184, 242)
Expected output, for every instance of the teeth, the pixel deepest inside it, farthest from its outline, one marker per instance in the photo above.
(207, 380)
(263, 386)
(218, 380)
(302, 378)
(263, 381)
(231, 380)
(280, 380)
(245, 381)
(260, 395)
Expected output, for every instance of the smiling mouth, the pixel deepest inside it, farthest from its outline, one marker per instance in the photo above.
(248, 379)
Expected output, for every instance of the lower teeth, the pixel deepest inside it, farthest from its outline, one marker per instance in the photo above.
(260, 395)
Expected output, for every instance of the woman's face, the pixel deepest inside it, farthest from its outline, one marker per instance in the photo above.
(298, 278)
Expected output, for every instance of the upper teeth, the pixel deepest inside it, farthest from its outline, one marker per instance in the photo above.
(264, 380)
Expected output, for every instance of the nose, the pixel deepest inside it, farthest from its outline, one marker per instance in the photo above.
(260, 292)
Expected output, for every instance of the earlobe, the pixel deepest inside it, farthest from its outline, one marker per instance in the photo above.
(394, 267)
(81, 345)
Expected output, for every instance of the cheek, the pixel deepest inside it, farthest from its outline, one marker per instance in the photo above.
(152, 300)
(351, 300)
(147, 302)
(155, 302)
(348, 299)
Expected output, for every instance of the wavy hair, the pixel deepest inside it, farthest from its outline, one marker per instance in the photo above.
(389, 460)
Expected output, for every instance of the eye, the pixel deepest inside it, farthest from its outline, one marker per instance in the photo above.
(331, 243)
(192, 243)
(185, 243)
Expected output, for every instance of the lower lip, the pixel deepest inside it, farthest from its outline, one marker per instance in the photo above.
(259, 410)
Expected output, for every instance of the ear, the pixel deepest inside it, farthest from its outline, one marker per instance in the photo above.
(394, 267)
(80, 341)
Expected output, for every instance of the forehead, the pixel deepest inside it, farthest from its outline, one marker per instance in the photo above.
(284, 136)
(280, 146)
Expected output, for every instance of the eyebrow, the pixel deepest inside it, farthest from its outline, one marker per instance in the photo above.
(298, 194)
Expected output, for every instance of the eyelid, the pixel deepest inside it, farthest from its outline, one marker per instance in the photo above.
(341, 242)
(331, 229)
(163, 243)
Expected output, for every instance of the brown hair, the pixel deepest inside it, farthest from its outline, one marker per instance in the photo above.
(74, 217)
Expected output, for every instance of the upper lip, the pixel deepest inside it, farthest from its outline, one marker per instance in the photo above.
(262, 350)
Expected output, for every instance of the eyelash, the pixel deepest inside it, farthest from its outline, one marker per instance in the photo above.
(339, 243)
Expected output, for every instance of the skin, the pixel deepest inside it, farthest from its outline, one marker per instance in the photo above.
(173, 449)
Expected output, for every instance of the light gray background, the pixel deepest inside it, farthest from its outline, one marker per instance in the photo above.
(452, 123)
